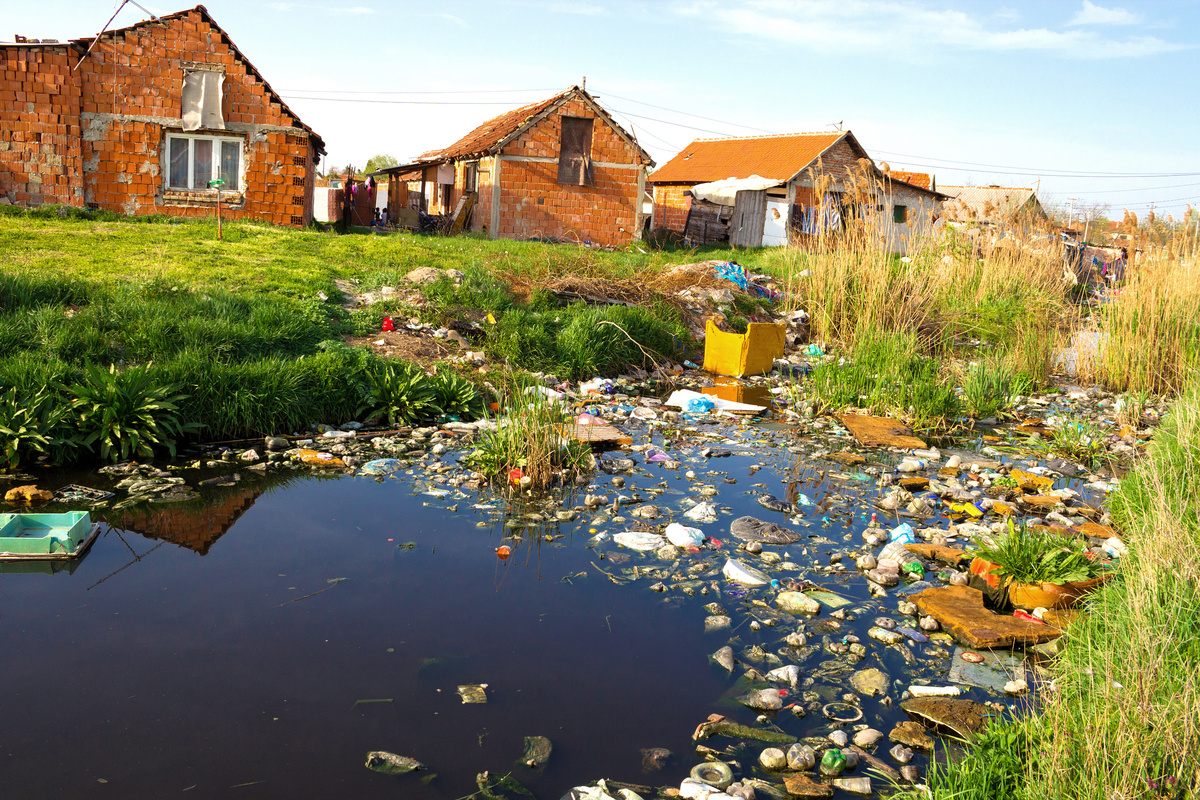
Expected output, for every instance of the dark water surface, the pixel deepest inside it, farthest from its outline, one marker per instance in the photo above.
(184, 656)
(189, 672)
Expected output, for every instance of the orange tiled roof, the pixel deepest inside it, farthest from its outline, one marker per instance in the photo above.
(491, 132)
(780, 156)
(489, 135)
(921, 179)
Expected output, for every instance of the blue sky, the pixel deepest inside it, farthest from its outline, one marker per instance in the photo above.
(1016, 94)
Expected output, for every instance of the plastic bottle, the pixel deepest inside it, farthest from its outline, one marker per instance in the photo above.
(833, 762)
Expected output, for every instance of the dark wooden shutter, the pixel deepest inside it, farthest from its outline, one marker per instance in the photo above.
(575, 152)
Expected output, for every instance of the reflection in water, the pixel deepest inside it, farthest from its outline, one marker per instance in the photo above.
(197, 525)
(737, 392)
(42, 567)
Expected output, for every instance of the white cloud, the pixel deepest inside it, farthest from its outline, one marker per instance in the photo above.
(902, 27)
(1092, 14)
(582, 9)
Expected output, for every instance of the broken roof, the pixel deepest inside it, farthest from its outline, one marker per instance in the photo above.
(781, 157)
(988, 202)
(491, 137)
(148, 23)
(921, 180)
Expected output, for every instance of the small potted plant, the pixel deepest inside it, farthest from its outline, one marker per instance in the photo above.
(1039, 568)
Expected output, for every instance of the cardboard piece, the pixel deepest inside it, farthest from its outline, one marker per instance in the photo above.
(880, 432)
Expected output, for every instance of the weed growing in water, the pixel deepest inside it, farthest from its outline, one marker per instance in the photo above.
(1025, 555)
(36, 423)
(991, 387)
(1078, 438)
(531, 438)
(887, 375)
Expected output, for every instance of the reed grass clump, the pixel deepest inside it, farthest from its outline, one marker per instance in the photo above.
(530, 441)
(1151, 327)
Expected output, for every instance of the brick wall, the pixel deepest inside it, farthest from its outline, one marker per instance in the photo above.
(39, 126)
(127, 97)
(534, 204)
(671, 207)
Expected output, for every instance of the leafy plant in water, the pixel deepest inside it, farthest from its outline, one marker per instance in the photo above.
(456, 395)
(400, 393)
(33, 424)
(128, 413)
(1025, 555)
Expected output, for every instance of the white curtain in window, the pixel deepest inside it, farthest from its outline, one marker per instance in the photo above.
(202, 100)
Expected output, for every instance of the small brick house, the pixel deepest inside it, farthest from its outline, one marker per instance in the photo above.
(144, 122)
(559, 169)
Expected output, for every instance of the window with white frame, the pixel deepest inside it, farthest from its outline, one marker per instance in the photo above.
(193, 161)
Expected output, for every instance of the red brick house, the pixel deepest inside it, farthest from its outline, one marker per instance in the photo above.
(561, 169)
(813, 180)
(144, 121)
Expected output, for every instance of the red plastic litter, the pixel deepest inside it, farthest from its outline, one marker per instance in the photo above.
(1019, 614)
(515, 475)
(503, 551)
(974, 658)
(715, 541)
(388, 325)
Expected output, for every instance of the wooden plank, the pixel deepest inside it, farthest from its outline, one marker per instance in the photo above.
(749, 218)
(594, 433)
(494, 227)
(465, 203)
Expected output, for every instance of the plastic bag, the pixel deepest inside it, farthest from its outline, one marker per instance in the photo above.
(699, 405)
(683, 536)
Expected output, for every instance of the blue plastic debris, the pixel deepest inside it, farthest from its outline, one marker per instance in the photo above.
(380, 466)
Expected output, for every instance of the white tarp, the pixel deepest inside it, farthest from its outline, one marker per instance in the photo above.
(725, 192)
(201, 100)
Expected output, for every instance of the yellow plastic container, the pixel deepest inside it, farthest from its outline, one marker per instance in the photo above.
(737, 355)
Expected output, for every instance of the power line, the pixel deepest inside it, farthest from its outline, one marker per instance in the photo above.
(407, 102)
(448, 91)
(1048, 173)
(687, 114)
(1143, 189)
(676, 124)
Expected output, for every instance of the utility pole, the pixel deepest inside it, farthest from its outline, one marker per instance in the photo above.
(1071, 213)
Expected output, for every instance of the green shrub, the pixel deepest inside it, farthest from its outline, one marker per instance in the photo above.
(128, 413)
(37, 423)
(400, 393)
(454, 394)
(990, 386)
(887, 374)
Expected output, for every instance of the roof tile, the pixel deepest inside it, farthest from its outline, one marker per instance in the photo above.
(779, 157)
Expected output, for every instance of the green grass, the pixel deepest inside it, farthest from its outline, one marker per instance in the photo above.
(887, 374)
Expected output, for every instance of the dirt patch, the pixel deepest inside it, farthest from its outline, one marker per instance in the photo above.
(406, 346)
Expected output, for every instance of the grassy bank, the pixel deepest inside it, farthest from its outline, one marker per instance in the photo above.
(1121, 716)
